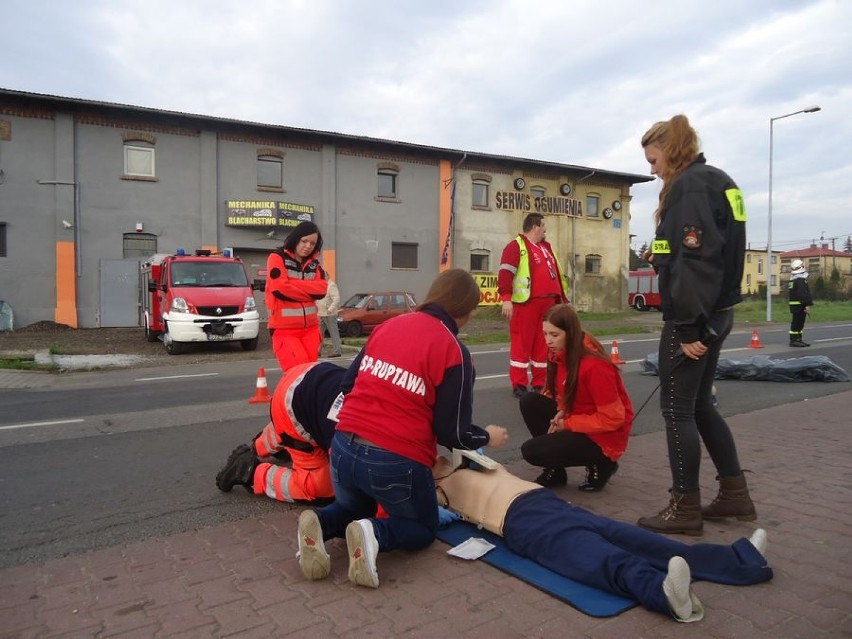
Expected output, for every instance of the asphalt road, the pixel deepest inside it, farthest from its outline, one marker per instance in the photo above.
(97, 459)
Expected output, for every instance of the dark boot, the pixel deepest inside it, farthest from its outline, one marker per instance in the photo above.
(682, 515)
(552, 478)
(597, 475)
(239, 469)
(732, 500)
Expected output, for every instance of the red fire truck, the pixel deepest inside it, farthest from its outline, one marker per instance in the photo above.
(643, 290)
(198, 298)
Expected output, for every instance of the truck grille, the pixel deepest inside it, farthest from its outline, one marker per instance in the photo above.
(218, 311)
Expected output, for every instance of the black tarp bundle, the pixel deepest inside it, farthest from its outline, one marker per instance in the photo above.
(762, 368)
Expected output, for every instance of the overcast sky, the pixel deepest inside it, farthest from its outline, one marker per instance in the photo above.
(576, 82)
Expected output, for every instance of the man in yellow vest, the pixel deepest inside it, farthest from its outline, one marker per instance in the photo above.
(529, 282)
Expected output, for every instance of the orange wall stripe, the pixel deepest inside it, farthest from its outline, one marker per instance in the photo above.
(66, 285)
(445, 204)
(329, 263)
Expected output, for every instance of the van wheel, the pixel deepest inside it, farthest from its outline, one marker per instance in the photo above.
(172, 347)
(353, 329)
(249, 344)
(639, 303)
(150, 336)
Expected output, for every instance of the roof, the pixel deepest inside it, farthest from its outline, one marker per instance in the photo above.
(814, 251)
(78, 104)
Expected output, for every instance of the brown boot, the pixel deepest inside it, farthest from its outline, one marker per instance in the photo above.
(682, 515)
(732, 500)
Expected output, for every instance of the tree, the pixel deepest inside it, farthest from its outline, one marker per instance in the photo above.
(847, 245)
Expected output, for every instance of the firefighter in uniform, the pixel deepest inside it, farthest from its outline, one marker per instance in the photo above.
(300, 430)
(530, 281)
(295, 281)
(800, 301)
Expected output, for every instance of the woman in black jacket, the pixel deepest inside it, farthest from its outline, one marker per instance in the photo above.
(698, 252)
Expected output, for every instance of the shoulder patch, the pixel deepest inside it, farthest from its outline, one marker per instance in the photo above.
(692, 237)
(735, 199)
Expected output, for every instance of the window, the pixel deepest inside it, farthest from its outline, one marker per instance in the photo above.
(270, 170)
(398, 300)
(537, 191)
(388, 181)
(3, 239)
(479, 195)
(773, 281)
(139, 155)
(592, 206)
(748, 279)
(140, 245)
(479, 260)
(760, 267)
(593, 264)
(138, 161)
(403, 255)
(748, 258)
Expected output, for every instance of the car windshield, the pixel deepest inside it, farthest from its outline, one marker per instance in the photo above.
(208, 274)
(359, 300)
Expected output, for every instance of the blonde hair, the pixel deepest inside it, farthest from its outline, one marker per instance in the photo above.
(679, 144)
(456, 291)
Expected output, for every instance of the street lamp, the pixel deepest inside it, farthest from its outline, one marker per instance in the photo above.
(810, 109)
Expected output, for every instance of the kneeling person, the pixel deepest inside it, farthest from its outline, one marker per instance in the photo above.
(300, 430)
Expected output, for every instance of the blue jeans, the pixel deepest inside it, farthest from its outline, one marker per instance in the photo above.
(365, 476)
(686, 399)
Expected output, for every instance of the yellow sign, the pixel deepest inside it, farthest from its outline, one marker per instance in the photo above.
(488, 295)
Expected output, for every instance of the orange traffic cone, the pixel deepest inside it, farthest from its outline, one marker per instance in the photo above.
(614, 357)
(755, 340)
(261, 390)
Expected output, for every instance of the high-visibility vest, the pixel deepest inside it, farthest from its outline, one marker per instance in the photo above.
(522, 281)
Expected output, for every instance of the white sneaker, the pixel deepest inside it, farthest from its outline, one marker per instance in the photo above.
(363, 547)
(313, 558)
(684, 604)
(758, 540)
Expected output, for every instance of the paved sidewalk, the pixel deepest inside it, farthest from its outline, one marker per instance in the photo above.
(241, 579)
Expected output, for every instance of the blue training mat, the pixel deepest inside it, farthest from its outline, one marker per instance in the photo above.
(591, 601)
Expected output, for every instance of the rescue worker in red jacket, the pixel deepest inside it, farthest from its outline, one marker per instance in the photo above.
(300, 430)
(295, 281)
(529, 282)
(584, 415)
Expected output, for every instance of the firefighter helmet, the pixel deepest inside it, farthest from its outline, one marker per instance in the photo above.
(797, 267)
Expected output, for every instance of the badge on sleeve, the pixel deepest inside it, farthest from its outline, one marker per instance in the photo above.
(692, 237)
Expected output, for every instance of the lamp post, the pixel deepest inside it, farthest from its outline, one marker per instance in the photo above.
(810, 109)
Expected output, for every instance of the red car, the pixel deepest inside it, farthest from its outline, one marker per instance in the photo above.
(362, 312)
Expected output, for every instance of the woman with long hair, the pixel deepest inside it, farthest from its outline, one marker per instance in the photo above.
(584, 415)
(409, 389)
(295, 281)
(698, 252)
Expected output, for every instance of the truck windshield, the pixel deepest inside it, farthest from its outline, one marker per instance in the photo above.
(208, 274)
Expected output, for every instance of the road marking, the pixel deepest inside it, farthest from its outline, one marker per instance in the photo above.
(64, 421)
(154, 379)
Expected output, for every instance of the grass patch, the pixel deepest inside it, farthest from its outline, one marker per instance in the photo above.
(754, 311)
(26, 365)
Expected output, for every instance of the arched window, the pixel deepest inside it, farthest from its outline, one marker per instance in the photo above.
(139, 158)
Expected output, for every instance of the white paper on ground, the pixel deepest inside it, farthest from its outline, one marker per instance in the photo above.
(472, 548)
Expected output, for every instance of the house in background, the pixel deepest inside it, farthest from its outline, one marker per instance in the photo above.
(754, 272)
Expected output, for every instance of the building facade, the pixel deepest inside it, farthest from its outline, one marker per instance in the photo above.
(755, 273)
(88, 190)
(821, 261)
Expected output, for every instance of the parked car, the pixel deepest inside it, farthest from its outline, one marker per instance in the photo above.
(362, 312)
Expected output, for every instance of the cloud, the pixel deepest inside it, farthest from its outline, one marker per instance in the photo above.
(576, 83)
